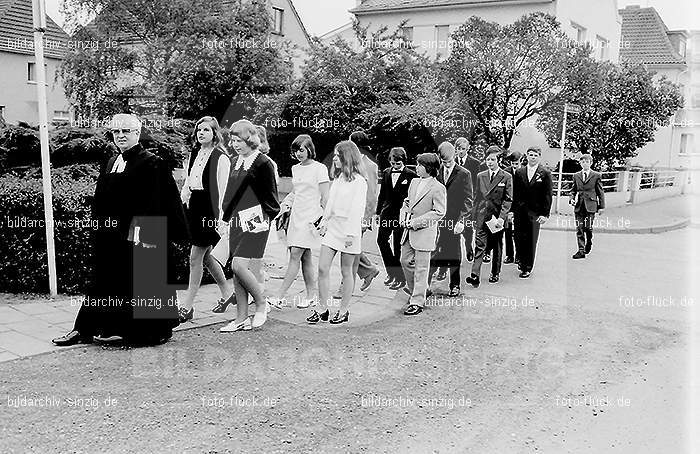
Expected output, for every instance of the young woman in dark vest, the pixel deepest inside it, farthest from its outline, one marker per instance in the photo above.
(203, 192)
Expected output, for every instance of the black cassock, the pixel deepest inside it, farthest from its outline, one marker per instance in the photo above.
(130, 295)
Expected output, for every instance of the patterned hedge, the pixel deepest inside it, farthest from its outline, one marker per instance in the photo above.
(23, 262)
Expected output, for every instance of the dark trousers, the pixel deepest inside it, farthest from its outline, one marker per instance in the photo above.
(468, 235)
(527, 232)
(584, 229)
(487, 241)
(509, 239)
(390, 247)
(447, 255)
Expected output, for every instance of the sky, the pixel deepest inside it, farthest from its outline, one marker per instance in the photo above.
(321, 16)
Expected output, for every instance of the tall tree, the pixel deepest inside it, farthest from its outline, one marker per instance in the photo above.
(194, 57)
(340, 83)
(505, 75)
(620, 113)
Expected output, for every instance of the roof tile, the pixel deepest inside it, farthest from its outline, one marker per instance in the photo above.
(645, 38)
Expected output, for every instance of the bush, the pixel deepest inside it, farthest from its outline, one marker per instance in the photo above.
(23, 259)
(20, 145)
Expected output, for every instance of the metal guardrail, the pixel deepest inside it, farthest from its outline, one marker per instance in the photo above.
(648, 179)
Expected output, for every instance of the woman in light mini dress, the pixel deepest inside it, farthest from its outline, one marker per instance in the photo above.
(341, 229)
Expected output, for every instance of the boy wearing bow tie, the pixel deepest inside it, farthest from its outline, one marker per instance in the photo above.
(493, 195)
(588, 198)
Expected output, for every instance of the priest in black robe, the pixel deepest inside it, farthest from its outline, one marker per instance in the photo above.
(139, 214)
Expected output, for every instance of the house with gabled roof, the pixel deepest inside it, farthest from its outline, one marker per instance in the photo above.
(430, 22)
(646, 40)
(18, 94)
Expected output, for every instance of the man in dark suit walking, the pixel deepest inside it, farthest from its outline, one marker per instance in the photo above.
(458, 183)
(513, 162)
(493, 197)
(588, 198)
(532, 202)
(394, 189)
(473, 166)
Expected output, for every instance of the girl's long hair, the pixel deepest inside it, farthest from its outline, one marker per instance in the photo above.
(217, 140)
(350, 161)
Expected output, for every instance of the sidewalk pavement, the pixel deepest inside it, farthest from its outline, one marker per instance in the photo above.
(26, 328)
(656, 216)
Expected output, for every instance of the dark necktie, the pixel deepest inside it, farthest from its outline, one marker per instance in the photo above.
(491, 177)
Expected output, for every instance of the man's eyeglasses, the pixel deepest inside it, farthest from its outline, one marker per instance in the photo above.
(122, 131)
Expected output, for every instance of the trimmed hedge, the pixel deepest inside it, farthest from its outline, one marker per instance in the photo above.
(23, 259)
(20, 146)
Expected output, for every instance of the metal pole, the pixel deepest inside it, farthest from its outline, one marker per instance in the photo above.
(39, 10)
(561, 162)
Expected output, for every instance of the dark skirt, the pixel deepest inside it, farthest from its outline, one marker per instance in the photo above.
(202, 220)
(246, 244)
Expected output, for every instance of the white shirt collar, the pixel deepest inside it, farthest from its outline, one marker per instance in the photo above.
(247, 161)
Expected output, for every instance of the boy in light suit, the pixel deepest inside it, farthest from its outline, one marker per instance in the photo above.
(588, 198)
(424, 207)
(493, 196)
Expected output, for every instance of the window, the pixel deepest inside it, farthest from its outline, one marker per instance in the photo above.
(408, 33)
(277, 20)
(442, 34)
(601, 48)
(31, 72)
(695, 98)
(579, 31)
(2, 113)
(61, 115)
(687, 144)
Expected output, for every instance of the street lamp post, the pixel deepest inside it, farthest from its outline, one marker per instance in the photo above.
(39, 19)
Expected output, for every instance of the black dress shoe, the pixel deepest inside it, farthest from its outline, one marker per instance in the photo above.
(487, 258)
(406, 291)
(397, 285)
(589, 245)
(338, 319)
(474, 280)
(184, 315)
(579, 255)
(508, 260)
(413, 310)
(470, 256)
(454, 291)
(428, 293)
(221, 306)
(524, 274)
(493, 278)
(71, 338)
(389, 280)
(315, 317)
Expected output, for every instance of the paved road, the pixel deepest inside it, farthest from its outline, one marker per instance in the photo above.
(586, 356)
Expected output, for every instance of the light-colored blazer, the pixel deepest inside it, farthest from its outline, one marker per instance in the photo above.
(372, 173)
(425, 209)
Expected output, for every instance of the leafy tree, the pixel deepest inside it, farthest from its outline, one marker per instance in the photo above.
(341, 83)
(620, 113)
(193, 57)
(505, 75)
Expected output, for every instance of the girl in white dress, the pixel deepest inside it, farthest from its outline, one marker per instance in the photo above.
(306, 201)
(341, 229)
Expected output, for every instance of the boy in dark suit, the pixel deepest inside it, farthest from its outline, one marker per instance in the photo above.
(458, 184)
(588, 198)
(532, 187)
(473, 166)
(493, 197)
(513, 160)
(395, 182)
